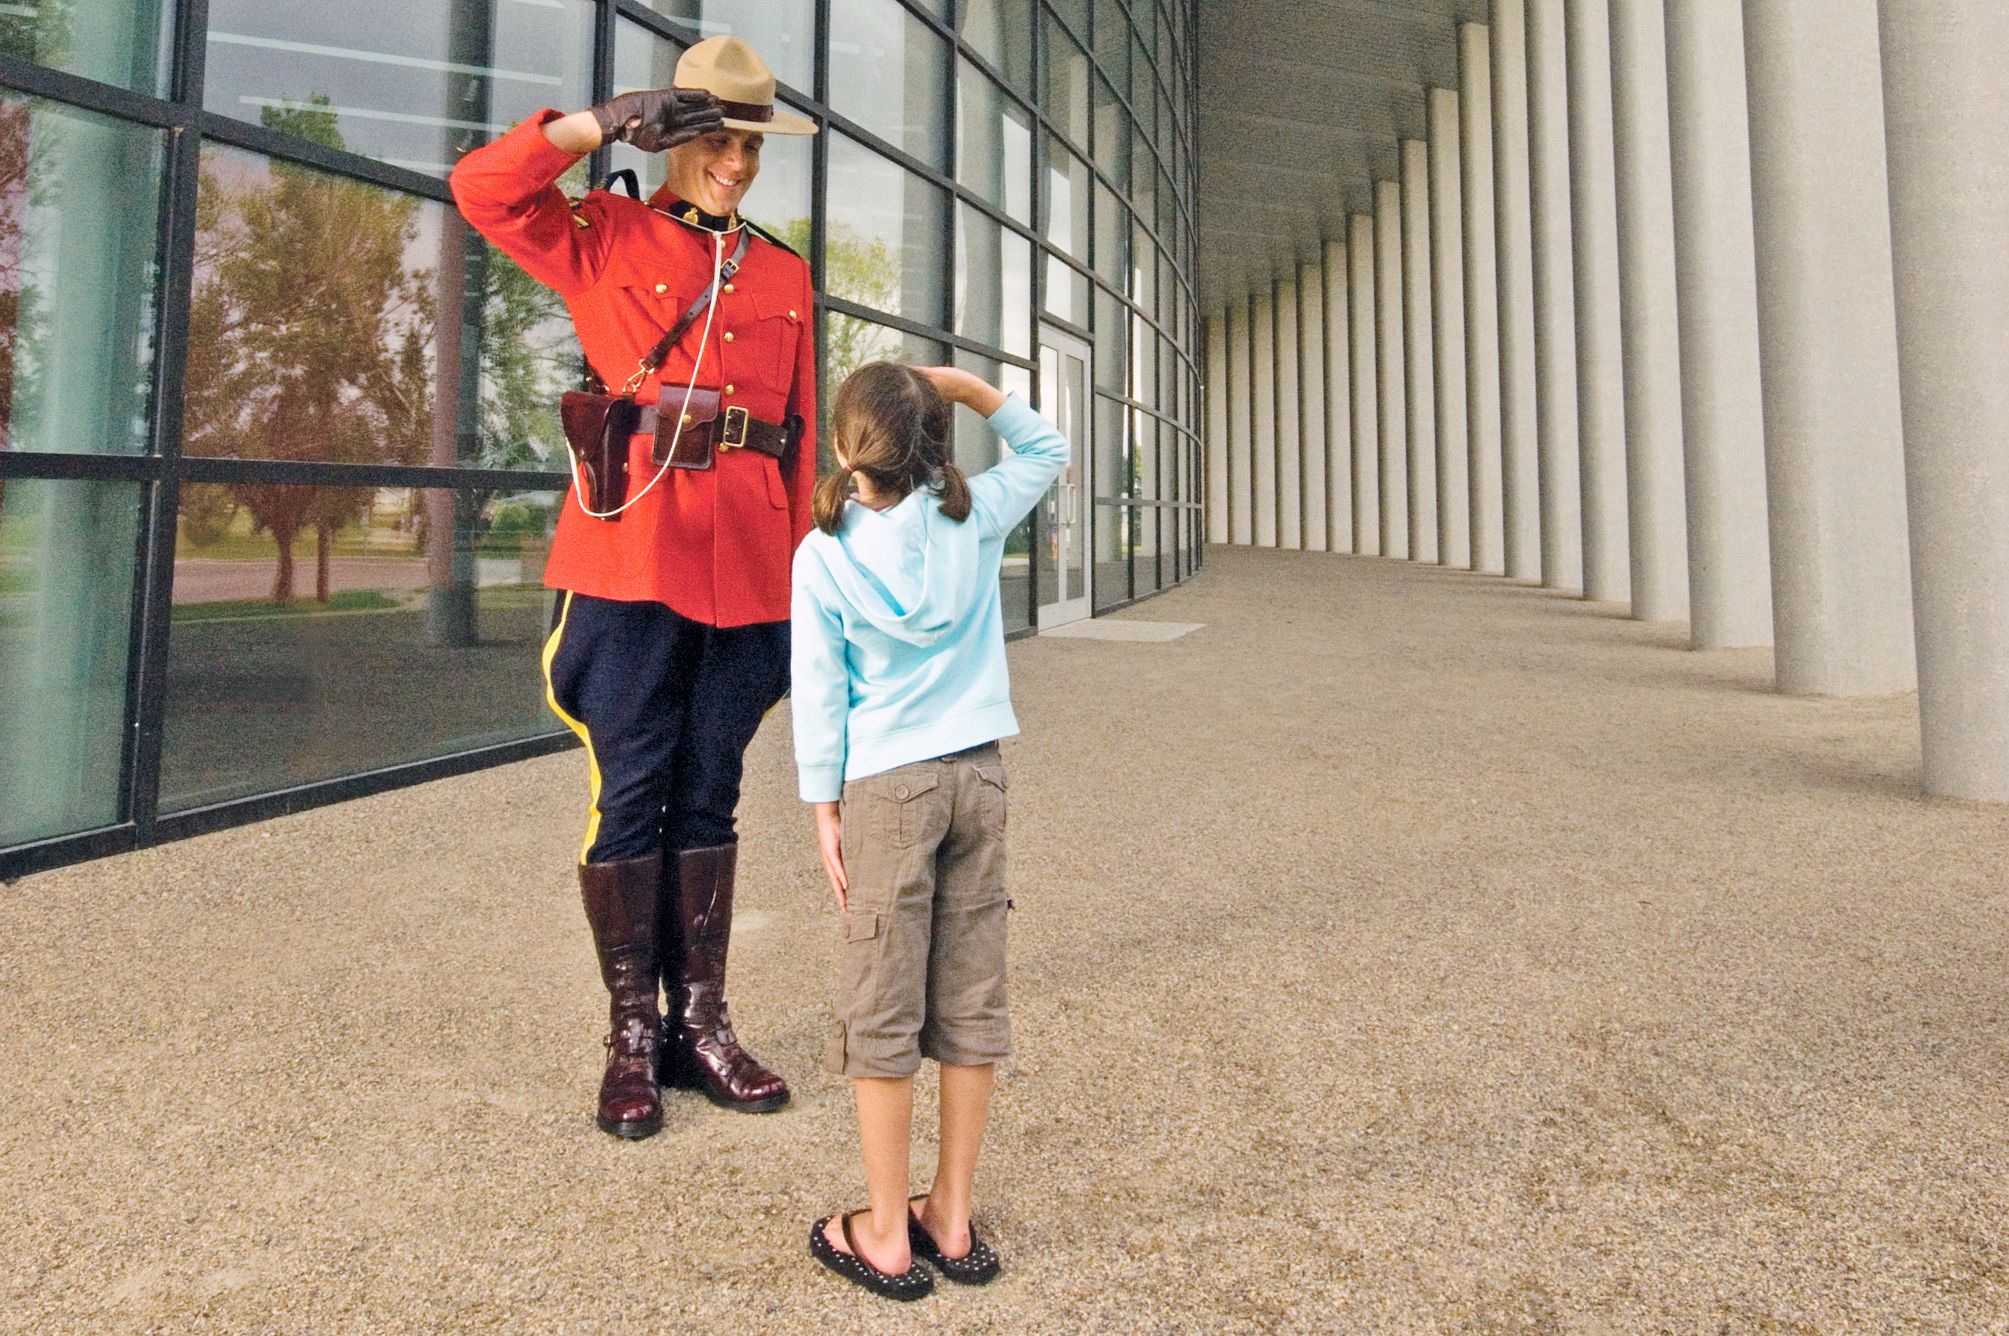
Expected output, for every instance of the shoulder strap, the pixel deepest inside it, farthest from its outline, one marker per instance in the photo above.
(655, 355)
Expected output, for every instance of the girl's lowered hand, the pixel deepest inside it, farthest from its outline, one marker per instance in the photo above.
(830, 840)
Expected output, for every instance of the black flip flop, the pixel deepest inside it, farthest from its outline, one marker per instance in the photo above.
(978, 1266)
(913, 1283)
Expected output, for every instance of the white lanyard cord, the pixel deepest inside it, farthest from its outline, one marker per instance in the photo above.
(683, 415)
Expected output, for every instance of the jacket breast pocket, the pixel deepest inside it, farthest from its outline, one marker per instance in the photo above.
(775, 339)
(660, 301)
(657, 306)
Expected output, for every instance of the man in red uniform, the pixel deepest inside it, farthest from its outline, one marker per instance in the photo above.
(671, 639)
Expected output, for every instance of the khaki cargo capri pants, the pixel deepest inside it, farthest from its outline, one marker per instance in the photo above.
(922, 972)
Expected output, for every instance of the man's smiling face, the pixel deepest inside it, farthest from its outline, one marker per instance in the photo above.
(714, 171)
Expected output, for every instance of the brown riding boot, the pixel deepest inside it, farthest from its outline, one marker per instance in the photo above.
(621, 907)
(700, 1051)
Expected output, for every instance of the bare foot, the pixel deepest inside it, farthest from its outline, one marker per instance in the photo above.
(953, 1240)
(890, 1255)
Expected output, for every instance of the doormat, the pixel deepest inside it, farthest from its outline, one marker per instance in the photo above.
(1106, 628)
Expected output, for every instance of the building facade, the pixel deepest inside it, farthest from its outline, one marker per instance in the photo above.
(1691, 307)
(279, 451)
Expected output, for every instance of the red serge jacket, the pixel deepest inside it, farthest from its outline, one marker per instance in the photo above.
(714, 544)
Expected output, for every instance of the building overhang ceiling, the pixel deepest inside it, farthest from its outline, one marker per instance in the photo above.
(1301, 108)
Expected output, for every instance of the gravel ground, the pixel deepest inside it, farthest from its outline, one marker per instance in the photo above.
(1403, 950)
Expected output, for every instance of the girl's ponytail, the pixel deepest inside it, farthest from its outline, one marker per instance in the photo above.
(892, 426)
(826, 504)
(954, 491)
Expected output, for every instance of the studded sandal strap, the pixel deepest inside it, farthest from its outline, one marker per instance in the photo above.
(851, 1241)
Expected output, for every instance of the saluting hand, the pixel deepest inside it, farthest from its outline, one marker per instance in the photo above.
(653, 119)
(963, 387)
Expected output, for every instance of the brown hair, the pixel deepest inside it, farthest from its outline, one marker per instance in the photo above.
(892, 424)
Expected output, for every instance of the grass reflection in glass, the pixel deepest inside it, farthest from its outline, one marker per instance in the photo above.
(416, 646)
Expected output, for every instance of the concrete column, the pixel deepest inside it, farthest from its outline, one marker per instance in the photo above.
(1338, 405)
(1263, 315)
(1513, 216)
(1607, 563)
(1420, 338)
(1482, 296)
(1366, 389)
(1946, 89)
(1311, 399)
(1389, 386)
(1827, 328)
(1651, 313)
(1722, 404)
(1217, 427)
(1555, 298)
(1290, 438)
(1241, 425)
(1447, 285)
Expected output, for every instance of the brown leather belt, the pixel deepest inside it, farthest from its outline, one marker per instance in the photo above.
(735, 429)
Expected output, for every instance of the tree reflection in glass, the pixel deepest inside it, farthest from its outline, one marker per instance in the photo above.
(307, 334)
(318, 331)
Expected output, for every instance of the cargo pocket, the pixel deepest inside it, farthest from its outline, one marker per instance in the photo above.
(860, 925)
(992, 787)
(901, 807)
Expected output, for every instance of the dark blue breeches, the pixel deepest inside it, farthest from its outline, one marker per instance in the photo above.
(666, 707)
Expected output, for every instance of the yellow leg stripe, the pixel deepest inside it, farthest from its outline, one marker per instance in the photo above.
(592, 761)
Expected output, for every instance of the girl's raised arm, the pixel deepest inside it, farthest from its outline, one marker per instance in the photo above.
(1035, 451)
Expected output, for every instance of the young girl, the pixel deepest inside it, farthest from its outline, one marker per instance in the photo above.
(900, 697)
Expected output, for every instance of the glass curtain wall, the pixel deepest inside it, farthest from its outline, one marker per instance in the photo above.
(279, 452)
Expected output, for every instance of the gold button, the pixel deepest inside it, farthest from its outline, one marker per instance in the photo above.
(728, 336)
(791, 314)
(728, 287)
(687, 419)
(728, 389)
(662, 287)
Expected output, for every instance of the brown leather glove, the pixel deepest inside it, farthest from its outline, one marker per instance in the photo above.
(653, 119)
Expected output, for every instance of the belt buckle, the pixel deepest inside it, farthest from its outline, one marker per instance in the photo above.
(733, 434)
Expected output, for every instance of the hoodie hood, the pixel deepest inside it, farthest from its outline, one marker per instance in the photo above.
(912, 571)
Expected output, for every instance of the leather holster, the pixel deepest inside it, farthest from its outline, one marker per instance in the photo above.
(597, 428)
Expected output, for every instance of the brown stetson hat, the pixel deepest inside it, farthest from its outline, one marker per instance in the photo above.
(734, 73)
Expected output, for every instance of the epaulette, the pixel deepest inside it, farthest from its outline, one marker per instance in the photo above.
(768, 236)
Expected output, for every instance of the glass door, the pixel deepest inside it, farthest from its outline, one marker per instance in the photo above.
(1064, 571)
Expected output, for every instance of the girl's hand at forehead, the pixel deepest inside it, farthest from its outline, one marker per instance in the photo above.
(962, 387)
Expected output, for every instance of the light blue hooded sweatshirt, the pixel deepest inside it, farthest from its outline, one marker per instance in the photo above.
(898, 636)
